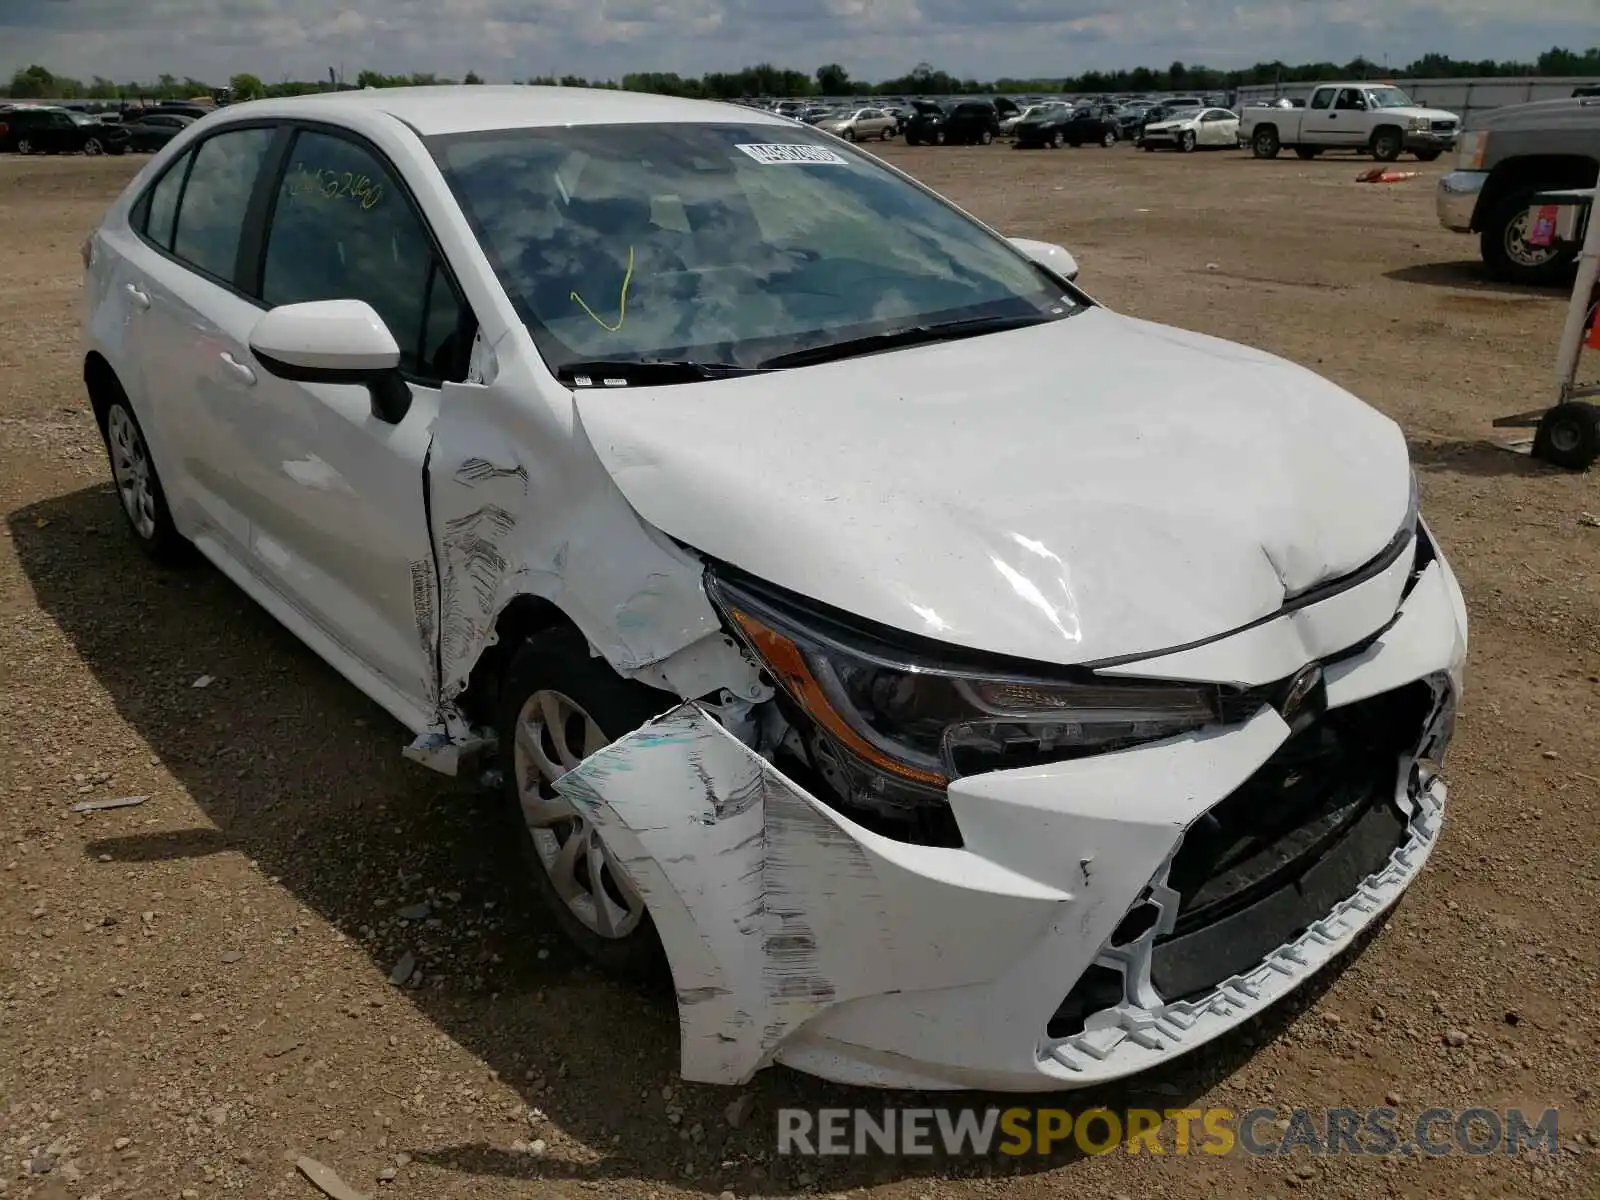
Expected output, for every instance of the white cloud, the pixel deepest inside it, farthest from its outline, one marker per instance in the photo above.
(505, 39)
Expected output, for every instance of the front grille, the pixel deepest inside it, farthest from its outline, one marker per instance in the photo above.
(1443, 126)
(1279, 852)
(1299, 835)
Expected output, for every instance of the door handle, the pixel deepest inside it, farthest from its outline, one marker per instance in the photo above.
(239, 370)
(142, 299)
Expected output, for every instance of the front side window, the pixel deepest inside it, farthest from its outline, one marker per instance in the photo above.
(342, 229)
(210, 219)
(722, 243)
(1323, 98)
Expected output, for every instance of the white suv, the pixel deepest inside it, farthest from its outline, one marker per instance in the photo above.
(949, 681)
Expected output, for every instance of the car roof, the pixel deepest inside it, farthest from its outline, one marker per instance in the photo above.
(469, 108)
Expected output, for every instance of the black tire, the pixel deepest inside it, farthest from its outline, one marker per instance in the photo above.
(938, 137)
(850, 135)
(153, 529)
(1054, 140)
(93, 147)
(1108, 139)
(1569, 436)
(1147, 147)
(1264, 142)
(1308, 152)
(913, 140)
(558, 660)
(24, 146)
(985, 137)
(1387, 143)
(1426, 155)
(1186, 142)
(1502, 243)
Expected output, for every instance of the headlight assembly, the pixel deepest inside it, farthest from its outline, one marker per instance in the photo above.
(908, 722)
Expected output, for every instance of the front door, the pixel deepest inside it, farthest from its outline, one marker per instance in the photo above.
(1349, 119)
(338, 522)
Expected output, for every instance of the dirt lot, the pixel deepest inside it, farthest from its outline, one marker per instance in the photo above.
(194, 989)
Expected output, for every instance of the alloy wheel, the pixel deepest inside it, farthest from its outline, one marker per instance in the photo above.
(130, 468)
(554, 734)
(1518, 249)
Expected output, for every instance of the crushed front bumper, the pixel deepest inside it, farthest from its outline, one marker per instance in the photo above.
(796, 935)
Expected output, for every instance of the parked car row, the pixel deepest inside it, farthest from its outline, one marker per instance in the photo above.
(47, 129)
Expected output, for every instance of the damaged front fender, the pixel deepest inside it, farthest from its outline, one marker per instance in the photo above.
(772, 907)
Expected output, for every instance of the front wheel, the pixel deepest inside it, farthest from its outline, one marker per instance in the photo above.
(938, 138)
(1186, 142)
(1055, 140)
(913, 140)
(1503, 244)
(1265, 144)
(1387, 144)
(985, 137)
(1426, 155)
(92, 147)
(560, 704)
(1109, 139)
(24, 146)
(1307, 152)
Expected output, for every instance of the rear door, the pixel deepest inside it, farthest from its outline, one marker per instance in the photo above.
(1319, 122)
(181, 292)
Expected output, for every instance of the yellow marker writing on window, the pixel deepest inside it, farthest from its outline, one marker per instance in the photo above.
(622, 301)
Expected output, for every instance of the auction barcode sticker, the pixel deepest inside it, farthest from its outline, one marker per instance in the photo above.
(771, 154)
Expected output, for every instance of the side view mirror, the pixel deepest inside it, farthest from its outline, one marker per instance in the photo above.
(334, 341)
(1048, 255)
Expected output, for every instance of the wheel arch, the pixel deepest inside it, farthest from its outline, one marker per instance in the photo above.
(522, 617)
(103, 385)
(1532, 170)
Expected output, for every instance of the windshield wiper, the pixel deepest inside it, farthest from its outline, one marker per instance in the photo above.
(644, 372)
(942, 331)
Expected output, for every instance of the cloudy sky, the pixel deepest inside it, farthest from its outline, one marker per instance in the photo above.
(507, 39)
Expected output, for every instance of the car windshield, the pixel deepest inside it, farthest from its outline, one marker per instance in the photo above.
(1388, 97)
(723, 244)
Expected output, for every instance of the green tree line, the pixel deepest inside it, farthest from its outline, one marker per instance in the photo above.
(833, 80)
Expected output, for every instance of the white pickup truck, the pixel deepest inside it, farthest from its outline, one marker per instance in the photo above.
(1376, 119)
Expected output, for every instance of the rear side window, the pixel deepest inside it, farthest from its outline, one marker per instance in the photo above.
(211, 213)
(162, 204)
(342, 228)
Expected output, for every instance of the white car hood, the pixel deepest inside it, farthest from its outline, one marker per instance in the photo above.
(1091, 488)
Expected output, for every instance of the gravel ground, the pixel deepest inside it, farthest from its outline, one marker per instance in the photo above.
(196, 990)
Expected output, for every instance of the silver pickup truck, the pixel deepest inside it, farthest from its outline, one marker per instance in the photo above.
(1503, 158)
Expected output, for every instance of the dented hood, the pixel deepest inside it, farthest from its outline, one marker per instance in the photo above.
(1091, 488)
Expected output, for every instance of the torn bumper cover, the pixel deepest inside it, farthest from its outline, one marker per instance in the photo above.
(1102, 915)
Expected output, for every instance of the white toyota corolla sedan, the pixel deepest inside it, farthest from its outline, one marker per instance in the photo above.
(950, 682)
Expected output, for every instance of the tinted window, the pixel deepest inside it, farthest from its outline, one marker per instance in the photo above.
(163, 204)
(344, 230)
(1323, 98)
(220, 181)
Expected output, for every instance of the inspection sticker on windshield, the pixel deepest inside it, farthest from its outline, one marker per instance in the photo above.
(771, 154)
